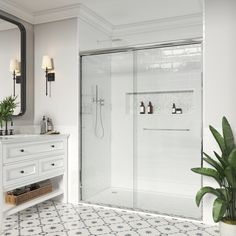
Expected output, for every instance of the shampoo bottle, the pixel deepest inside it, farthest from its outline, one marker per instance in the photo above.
(173, 109)
(150, 108)
(142, 108)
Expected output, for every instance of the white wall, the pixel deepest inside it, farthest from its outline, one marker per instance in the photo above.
(166, 30)
(60, 41)
(91, 37)
(219, 74)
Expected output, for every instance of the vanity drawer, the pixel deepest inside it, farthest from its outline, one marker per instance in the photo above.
(13, 151)
(13, 174)
(51, 164)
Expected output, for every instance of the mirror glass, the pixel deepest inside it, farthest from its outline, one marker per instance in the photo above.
(11, 72)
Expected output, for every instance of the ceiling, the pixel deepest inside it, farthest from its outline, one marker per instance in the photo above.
(118, 12)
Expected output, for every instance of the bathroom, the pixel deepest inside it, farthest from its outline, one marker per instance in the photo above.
(106, 57)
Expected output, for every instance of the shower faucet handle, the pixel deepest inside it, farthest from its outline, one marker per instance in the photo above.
(101, 101)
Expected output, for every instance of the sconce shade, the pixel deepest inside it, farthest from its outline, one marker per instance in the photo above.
(47, 63)
(14, 66)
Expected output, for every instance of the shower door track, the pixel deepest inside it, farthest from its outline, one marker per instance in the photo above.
(163, 44)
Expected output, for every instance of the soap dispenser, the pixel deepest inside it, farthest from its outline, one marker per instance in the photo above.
(11, 129)
(49, 125)
(43, 126)
(1, 129)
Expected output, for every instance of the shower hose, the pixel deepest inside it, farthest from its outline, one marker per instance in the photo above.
(97, 119)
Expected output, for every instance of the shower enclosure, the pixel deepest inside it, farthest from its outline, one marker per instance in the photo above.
(142, 161)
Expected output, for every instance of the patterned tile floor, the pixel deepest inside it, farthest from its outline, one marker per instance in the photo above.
(57, 219)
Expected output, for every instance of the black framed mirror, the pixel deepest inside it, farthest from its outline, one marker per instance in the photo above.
(13, 61)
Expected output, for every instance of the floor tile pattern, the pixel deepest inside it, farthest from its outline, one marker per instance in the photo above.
(57, 219)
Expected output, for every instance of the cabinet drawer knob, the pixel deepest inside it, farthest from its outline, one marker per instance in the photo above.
(52, 146)
(52, 164)
(22, 150)
(22, 172)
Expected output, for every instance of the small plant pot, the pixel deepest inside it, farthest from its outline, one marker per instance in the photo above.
(227, 228)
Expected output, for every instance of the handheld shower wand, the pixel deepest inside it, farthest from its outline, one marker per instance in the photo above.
(99, 102)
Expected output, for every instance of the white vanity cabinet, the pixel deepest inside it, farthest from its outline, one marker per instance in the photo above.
(27, 159)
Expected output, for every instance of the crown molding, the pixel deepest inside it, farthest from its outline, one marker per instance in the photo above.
(98, 22)
(16, 11)
(158, 25)
(56, 14)
(60, 13)
(95, 20)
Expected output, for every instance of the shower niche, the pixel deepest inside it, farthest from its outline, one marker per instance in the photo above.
(142, 161)
(162, 101)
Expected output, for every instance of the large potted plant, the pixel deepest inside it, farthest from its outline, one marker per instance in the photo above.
(223, 171)
(7, 107)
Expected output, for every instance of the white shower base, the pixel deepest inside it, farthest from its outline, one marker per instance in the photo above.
(161, 203)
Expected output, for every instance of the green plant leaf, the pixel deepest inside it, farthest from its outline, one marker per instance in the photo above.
(222, 160)
(215, 164)
(230, 176)
(7, 107)
(224, 194)
(208, 172)
(219, 139)
(219, 209)
(206, 190)
(232, 158)
(228, 135)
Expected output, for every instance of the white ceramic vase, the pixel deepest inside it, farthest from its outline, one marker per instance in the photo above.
(227, 229)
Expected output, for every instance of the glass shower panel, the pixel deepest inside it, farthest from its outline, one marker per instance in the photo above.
(168, 140)
(107, 129)
(96, 125)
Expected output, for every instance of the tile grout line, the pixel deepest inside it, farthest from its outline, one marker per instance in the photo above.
(59, 216)
(40, 221)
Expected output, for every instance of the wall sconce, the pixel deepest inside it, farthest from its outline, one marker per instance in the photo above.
(47, 65)
(16, 73)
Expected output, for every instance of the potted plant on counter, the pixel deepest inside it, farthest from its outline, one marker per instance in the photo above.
(223, 171)
(7, 107)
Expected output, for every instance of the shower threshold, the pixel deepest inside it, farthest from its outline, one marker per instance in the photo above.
(149, 202)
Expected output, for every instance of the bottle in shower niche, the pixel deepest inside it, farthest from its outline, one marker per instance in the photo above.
(141, 108)
(173, 109)
(49, 125)
(43, 126)
(150, 108)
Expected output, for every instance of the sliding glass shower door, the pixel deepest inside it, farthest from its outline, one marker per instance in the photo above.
(168, 136)
(141, 128)
(107, 129)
